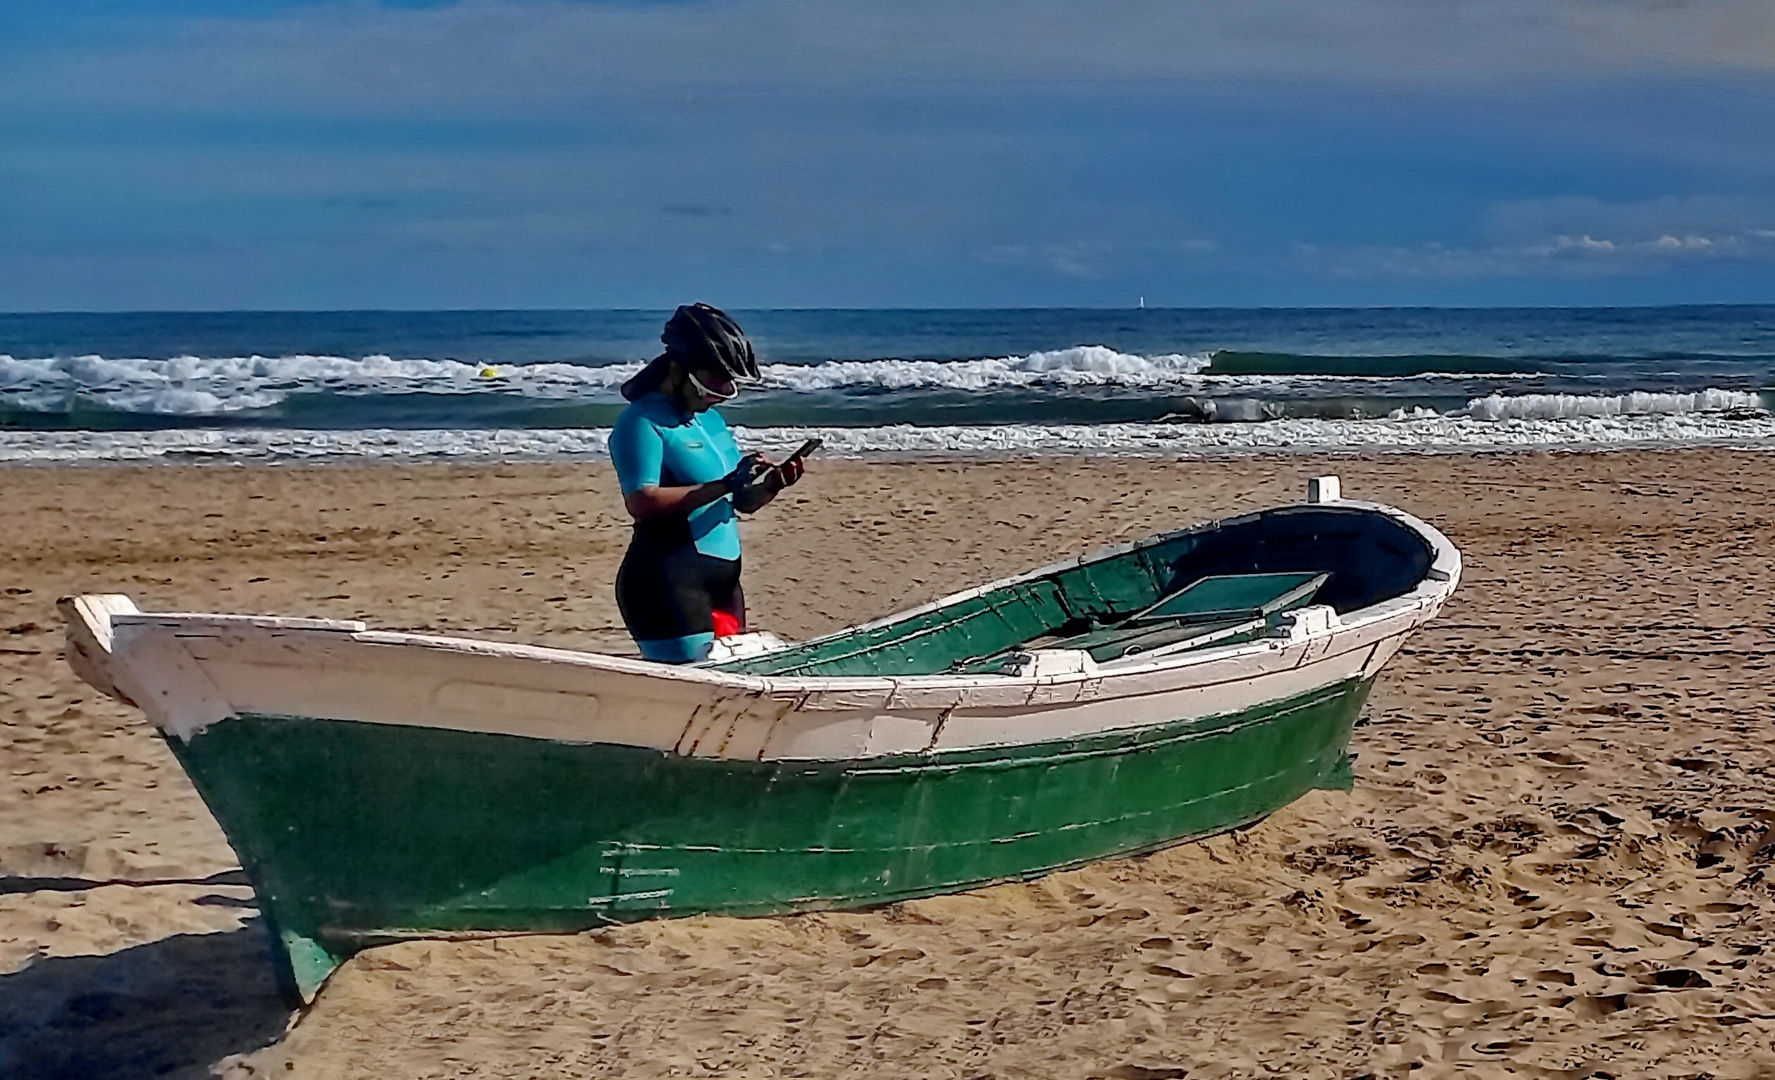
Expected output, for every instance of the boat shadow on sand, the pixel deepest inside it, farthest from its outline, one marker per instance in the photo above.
(169, 1009)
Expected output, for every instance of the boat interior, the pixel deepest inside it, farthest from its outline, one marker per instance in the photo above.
(1217, 585)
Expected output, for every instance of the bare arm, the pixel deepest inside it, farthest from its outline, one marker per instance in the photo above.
(651, 501)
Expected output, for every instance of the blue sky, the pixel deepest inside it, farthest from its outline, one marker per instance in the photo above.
(194, 154)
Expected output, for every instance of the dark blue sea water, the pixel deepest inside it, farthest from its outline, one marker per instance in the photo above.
(1047, 369)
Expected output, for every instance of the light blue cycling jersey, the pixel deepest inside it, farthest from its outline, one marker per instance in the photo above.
(657, 443)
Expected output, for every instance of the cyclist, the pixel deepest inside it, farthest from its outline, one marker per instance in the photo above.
(683, 480)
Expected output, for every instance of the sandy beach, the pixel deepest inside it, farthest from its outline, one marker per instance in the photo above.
(1552, 864)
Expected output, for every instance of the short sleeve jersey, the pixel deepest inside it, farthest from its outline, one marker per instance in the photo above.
(658, 444)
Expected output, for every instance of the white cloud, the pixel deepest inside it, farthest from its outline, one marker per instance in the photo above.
(1091, 142)
(1753, 244)
(1585, 243)
(1688, 225)
(1563, 256)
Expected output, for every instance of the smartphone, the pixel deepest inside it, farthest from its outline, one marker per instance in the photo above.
(806, 448)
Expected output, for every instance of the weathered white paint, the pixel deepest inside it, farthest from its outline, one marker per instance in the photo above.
(1324, 489)
(742, 646)
(167, 679)
(1037, 663)
(188, 671)
(569, 710)
(88, 619)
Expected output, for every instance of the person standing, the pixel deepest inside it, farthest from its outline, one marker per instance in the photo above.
(684, 481)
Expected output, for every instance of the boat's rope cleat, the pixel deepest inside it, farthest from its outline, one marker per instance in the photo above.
(1042, 663)
(1300, 624)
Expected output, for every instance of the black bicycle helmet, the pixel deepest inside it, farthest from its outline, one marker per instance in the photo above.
(704, 338)
(698, 337)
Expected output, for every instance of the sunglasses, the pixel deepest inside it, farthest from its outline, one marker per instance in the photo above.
(719, 395)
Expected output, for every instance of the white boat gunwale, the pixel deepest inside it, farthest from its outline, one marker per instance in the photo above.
(750, 698)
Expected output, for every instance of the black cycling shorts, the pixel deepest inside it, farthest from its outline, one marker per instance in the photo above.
(667, 593)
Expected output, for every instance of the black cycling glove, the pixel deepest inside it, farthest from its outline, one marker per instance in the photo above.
(743, 474)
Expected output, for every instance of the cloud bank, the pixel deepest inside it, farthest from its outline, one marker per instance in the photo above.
(914, 152)
(491, 56)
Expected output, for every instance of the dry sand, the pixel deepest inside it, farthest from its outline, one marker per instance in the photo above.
(1553, 863)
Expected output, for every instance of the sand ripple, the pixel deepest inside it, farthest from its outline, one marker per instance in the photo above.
(1554, 864)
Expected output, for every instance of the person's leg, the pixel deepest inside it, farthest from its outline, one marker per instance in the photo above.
(665, 605)
(725, 592)
(687, 649)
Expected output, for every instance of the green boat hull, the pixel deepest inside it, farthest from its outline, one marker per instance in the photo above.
(356, 833)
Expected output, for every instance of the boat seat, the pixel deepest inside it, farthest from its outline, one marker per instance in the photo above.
(1231, 596)
(1120, 642)
(1207, 611)
(1172, 636)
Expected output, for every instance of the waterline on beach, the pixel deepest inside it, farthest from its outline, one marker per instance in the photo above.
(1575, 427)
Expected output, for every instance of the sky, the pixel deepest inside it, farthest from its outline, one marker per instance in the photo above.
(257, 154)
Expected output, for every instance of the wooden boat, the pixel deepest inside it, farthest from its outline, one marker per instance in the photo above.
(380, 786)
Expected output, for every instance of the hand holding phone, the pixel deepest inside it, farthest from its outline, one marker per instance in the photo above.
(791, 468)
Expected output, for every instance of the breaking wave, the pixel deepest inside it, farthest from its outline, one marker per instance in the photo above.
(1080, 365)
(1427, 434)
(1051, 390)
(1637, 403)
(198, 386)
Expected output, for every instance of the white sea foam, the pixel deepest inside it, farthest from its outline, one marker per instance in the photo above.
(1424, 434)
(193, 386)
(1081, 365)
(1638, 403)
(189, 386)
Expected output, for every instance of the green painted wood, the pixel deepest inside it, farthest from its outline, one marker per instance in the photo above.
(306, 964)
(1365, 557)
(927, 643)
(1141, 584)
(356, 833)
(981, 626)
(1219, 610)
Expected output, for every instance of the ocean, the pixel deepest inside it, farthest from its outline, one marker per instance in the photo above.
(542, 384)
